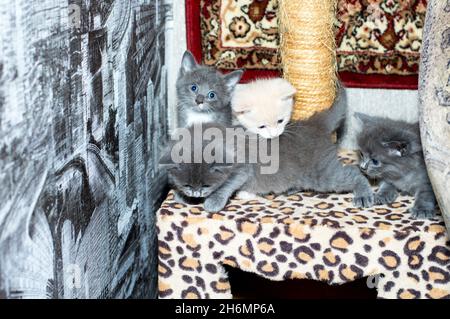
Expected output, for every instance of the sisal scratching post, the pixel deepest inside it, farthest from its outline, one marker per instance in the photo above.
(308, 53)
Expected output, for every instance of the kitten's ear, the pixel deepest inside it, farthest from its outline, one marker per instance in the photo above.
(363, 118)
(287, 90)
(396, 148)
(236, 105)
(188, 62)
(232, 79)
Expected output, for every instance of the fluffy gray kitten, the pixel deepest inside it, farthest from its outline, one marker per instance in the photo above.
(391, 152)
(308, 161)
(211, 183)
(204, 94)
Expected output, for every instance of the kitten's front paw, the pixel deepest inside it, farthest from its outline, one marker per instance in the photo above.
(214, 204)
(363, 200)
(422, 213)
(383, 198)
(179, 198)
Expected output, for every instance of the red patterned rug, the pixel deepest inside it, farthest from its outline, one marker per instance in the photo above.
(378, 41)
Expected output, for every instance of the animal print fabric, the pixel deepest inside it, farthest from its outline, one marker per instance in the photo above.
(302, 236)
(373, 37)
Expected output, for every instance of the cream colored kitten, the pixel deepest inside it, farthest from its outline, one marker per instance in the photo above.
(264, 106)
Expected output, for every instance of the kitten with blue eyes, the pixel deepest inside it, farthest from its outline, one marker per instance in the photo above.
(204, 94)
(391, 152)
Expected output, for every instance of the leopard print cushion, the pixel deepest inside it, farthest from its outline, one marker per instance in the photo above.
(303, 236)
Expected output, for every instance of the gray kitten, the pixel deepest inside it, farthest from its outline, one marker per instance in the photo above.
(214, 183)
(391, 152)
(308, 161)
(204, 94)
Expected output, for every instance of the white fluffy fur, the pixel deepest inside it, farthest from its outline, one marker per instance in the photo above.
(197, 118)
(264, 106)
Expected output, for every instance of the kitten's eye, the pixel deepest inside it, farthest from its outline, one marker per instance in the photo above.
(280, 121)
(262, 127)
(206, 186)
(212, 95)
(194, 88)
(186, 185)
(375, 162)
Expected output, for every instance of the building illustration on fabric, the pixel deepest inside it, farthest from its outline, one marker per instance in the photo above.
(82, 112)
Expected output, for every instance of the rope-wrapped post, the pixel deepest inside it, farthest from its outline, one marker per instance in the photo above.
(308, 53)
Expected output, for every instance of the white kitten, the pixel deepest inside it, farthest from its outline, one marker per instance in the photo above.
(264, 106)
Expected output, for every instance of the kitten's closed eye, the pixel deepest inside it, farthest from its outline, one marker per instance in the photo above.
(280, 121)
(262, 127)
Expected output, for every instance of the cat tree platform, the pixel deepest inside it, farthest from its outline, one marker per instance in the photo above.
(303, 236)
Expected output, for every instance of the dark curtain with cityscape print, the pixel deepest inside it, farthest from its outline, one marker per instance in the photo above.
(82, 112)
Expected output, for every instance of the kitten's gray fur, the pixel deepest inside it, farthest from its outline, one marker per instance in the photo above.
(194, 107)
(308, 161)
(391, 152)
(212, 183)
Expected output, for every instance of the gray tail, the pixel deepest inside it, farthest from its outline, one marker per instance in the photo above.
(337, 115)
(333, 120)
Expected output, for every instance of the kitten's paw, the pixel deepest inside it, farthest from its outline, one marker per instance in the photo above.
(421, 213)
(247, 196)
(180, 199)
(363, 200)
(214, 204)
(291, 191)
(383, 198)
